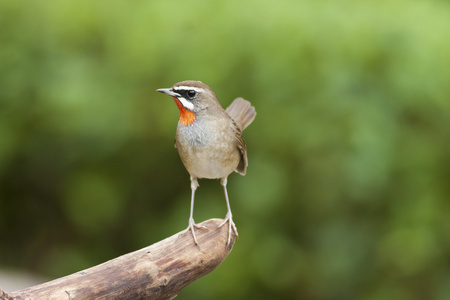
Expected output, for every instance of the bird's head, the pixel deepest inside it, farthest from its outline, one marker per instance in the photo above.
(192, 98)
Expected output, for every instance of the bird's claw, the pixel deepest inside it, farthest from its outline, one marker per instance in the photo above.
(231, 226)
(191, 228)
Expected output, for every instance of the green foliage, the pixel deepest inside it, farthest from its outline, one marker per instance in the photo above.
(346, 194)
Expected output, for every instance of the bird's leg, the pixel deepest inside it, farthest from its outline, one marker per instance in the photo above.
(194, 186)
(228, 217)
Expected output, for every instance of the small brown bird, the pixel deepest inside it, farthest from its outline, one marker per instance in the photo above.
(209, 138)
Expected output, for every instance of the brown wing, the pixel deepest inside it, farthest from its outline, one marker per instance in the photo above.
(243, 163)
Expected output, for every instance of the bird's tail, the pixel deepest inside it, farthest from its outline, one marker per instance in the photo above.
(242, 112)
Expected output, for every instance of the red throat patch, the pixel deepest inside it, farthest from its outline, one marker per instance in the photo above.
(187, 117)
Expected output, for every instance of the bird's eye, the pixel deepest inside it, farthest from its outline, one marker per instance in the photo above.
(191, 93)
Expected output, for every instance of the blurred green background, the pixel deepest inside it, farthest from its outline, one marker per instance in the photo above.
(347, 191)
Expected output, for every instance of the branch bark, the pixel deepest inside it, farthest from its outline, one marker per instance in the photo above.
(158, 271)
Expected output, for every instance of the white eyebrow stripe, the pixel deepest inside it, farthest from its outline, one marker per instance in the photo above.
(182, 87)
(186, 103)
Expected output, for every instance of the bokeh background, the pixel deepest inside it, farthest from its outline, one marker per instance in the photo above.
(347, 191)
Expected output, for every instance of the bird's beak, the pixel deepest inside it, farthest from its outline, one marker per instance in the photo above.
(169, 92)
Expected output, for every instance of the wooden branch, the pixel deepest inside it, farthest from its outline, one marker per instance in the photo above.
(158, 271)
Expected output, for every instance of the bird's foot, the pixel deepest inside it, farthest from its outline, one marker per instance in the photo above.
(192, 227)
(231, 226)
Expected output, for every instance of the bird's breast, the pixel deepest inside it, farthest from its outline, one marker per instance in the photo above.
(207, 150)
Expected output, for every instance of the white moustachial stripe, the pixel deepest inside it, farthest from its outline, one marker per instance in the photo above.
(188, 104)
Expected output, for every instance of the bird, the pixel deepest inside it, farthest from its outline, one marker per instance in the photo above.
(209, 140)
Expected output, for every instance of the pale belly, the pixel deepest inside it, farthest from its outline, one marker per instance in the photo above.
(214, 164)
(212, 155)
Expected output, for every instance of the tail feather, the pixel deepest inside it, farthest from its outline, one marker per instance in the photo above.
(242, 112)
